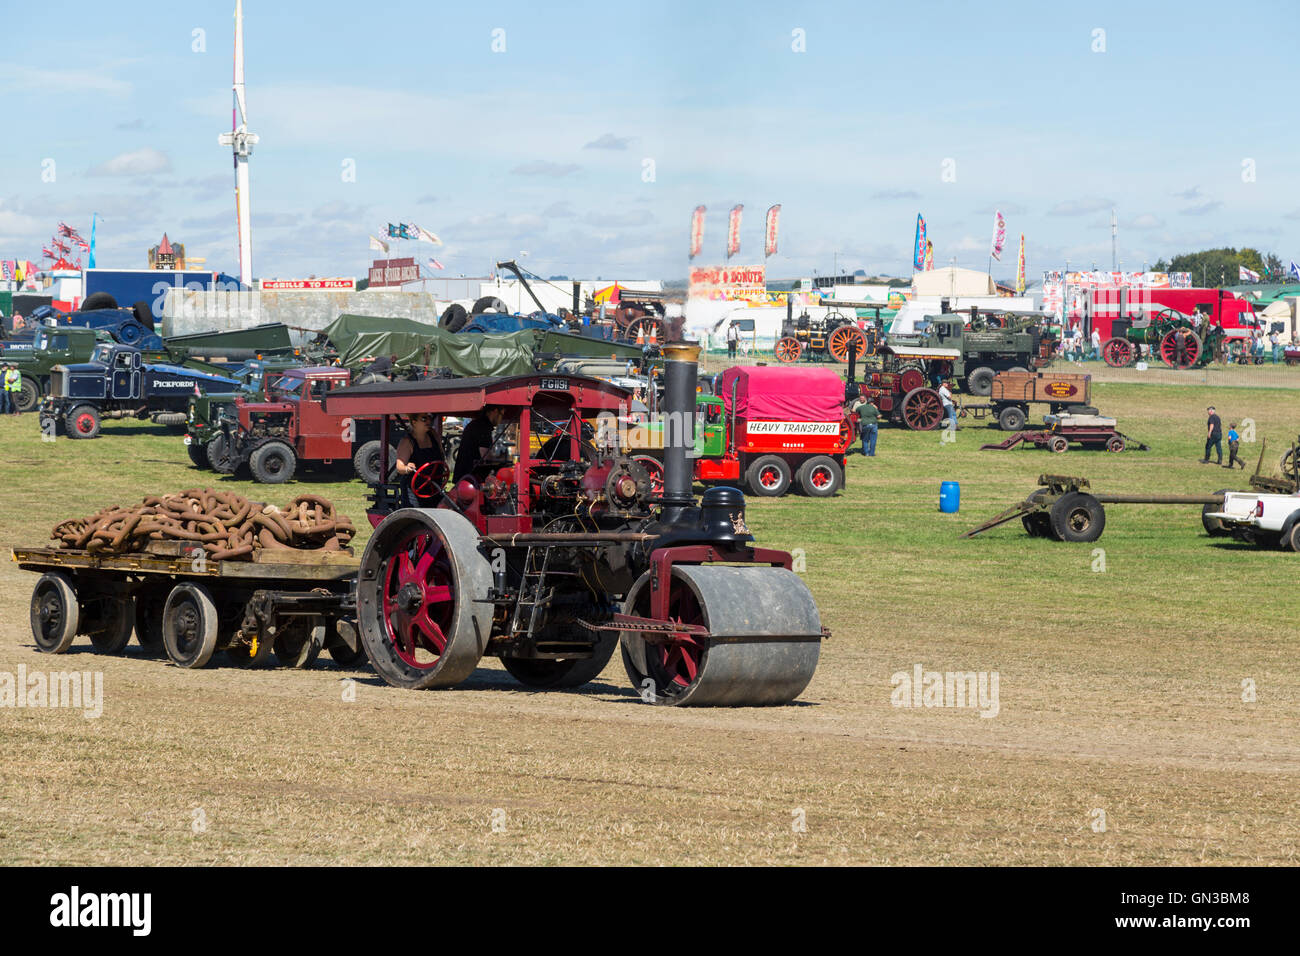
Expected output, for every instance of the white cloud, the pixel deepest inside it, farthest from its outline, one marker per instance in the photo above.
(543, 167)
(609, 141)
(139, 162)
(50, 82)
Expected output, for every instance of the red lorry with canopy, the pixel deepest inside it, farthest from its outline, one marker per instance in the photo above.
(784, 424)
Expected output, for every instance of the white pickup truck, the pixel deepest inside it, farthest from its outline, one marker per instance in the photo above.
(1256, 517)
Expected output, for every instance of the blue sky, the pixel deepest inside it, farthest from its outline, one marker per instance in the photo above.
(541, 148)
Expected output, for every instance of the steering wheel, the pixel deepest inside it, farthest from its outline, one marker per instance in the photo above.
(428, 479)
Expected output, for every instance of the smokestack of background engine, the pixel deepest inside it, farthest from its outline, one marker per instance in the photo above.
(679, 423)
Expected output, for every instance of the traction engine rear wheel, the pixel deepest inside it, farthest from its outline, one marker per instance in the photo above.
(422, 580)
(1169, 349)
(843, 338)
(922, 409)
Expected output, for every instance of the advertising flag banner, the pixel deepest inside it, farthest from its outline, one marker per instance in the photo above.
(1020, 267)
(773, 224)
(697, 231)
(733, 230)
(928, 262)
(999, 235)
(918, 253)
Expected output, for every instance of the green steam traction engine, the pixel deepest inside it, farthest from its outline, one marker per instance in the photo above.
(1178, 340)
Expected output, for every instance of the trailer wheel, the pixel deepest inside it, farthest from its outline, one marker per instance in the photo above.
(29, 395)
(149, 605)
(1058, 444)
(189, 625)
(1011, 418)
(561, 675)
(422, 601)
(295, 646)
(980, 381)
(1077, 516)
(366, 461)
(55, 613)
(769, 476)
(1037, 524)
(129, 333)
(273, 463)
(342, 652)
(1115, 443)
(108, 621)
(96, 301)
(820, 477)
(82, 422)
(198, 454)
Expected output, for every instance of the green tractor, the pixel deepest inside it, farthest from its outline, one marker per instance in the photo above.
(1178, 340)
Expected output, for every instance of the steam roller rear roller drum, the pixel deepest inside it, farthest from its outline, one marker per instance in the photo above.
(764, 638)
(421, 596)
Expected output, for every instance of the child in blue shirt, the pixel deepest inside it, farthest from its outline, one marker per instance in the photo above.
(1234, 441)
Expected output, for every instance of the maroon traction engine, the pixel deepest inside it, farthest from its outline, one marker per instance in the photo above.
(549, 556)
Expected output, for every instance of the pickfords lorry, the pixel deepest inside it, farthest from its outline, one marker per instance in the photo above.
(118, 383)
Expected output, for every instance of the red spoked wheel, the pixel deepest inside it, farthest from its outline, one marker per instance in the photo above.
(428, 480)
(922, 409)
(911, 380)
(675, 663)
(788, 349)
(1115, 443)
(1117, 353)
(843, 339)
(1170, 353)
(655, 469)
(418, 599)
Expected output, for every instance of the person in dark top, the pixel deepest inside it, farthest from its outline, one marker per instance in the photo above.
(383, 365)
(419, 448)
(1213, 436)
(476, 440)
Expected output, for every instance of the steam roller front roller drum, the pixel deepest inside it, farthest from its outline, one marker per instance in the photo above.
(419, 599)
(764, 638)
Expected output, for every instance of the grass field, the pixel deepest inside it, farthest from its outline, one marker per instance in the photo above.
(1120, 692)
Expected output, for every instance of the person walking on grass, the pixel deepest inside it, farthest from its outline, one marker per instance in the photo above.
(733, 340)
(868, 424)
(1213, 436)
(1095, 354)
(1234, 442)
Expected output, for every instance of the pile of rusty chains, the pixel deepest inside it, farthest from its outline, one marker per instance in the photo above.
(224, 524)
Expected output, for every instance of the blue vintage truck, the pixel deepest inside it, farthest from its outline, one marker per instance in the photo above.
(117, 383)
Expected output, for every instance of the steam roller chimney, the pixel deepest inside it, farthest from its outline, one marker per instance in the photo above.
(680, 372)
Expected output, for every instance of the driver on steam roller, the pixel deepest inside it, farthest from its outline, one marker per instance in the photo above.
(476, 441)
(417, 449)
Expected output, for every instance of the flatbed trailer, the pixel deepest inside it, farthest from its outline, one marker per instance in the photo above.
(1059, 440)
(284, 605)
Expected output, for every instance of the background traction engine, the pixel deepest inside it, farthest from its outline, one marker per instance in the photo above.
(821, 340)
(551, 556)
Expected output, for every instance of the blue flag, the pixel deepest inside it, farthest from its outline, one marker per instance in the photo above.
(90, 258)
(1294, 270)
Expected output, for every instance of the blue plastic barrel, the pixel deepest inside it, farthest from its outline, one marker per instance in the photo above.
(949, 497)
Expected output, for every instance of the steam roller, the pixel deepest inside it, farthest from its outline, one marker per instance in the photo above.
(558, 548)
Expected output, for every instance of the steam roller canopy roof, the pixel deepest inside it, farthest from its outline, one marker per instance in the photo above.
(786, 394)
